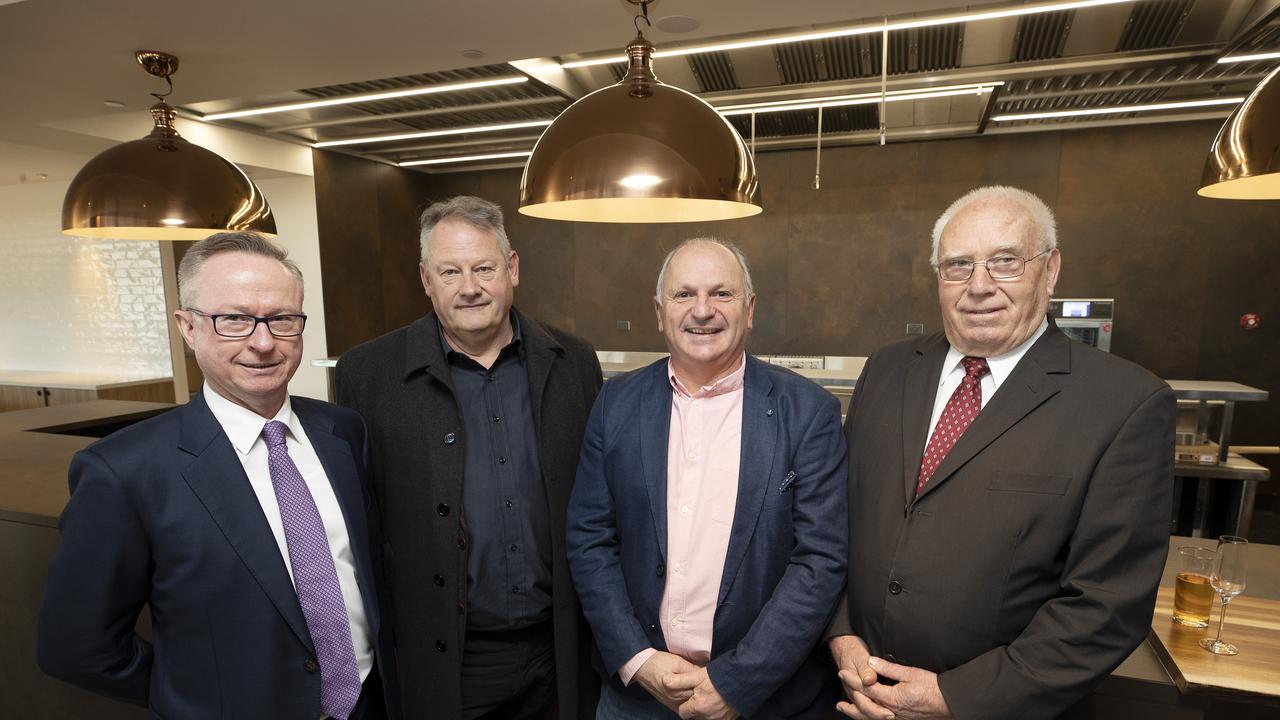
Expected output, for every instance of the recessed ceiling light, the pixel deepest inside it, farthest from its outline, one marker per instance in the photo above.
(367, 97)
(1117, 109)
(677, 24)
(1015, 11)
(465, 158)
(1250, 58)
(113, 103)
(860, 99)
(431, 133)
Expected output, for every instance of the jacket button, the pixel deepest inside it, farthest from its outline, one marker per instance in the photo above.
(462, 609)
(438, 580)
(310, 666)
(462, 543)
(442, 510)
(450, 438)
(895, 587)
(441, 645)
(660, 570)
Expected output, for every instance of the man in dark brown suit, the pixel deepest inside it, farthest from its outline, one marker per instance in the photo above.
(476, 414)
(1009, 493)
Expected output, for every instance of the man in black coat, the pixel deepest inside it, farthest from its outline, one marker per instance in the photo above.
(476, 414)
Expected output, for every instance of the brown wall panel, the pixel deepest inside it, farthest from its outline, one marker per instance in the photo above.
(842, 269)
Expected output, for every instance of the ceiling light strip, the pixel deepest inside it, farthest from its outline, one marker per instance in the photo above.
(431, 133)
(367, 97)
(836, 100)
(466, 158)
(1117, 109)
(1255, 57)
(1016, 11)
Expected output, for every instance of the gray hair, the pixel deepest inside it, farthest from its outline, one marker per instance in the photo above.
(476, 212)
(218, 243)
(749, 287)
(1043, 223)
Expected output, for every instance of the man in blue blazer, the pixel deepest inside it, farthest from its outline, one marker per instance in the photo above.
(240, 518)
(706, 530)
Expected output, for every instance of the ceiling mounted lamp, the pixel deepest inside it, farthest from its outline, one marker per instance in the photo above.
(1244, 160)
(162, 187)
(640, 151)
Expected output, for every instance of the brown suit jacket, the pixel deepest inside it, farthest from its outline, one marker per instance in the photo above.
(1026, 570)
(401, 384)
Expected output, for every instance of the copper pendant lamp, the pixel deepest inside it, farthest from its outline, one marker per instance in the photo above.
(640, 151)
(1244, 160)
(162, 187)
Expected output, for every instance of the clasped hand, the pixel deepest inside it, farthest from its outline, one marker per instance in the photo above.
(683, 687)
(916, 695)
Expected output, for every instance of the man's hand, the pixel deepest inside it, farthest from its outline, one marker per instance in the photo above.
(705, 703)
(851, 656)
(659, 675)
(915, 697)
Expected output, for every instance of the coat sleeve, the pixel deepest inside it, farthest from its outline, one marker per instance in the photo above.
(796, 616)
(99, 580)
(593, 546)
(1103, 611)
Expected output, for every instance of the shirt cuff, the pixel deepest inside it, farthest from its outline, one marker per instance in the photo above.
(632, 666)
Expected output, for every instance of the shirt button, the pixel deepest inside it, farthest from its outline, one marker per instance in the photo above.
(450, 438)
(488, 376)
(895, 587)
(675, 622)
(310, 665)
(515, 588)
(442, 645)
(502, 459)
(675, 568)
(442, 510)
(438, 580)
(509, 503)
(497, 418)
(514, 547)
(692, 454)
(684, 509)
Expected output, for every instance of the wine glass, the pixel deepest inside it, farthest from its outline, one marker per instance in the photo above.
(1227, 579)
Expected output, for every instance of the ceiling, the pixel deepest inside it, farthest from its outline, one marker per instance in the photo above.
(64, 58)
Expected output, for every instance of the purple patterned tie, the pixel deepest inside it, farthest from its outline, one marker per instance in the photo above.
(315, 579)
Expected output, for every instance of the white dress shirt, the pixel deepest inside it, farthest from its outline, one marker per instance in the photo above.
(1001, 366)
(244, 429)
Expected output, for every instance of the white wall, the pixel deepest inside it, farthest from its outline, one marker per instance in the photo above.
(71, 304)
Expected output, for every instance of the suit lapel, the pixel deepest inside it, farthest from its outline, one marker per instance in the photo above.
(339, 464)
(919, 392)
(217, 478)
(655, 427)
(1026, 388)
(755, 469)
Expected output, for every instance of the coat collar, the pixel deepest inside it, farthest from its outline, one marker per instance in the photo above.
(424, 353)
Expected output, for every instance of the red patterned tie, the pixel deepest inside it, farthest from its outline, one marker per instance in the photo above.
(956, 417)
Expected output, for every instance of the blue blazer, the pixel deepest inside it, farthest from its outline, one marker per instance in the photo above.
(785, 566)
(162, 514)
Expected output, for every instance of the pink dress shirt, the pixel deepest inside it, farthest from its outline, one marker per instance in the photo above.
(704, 447)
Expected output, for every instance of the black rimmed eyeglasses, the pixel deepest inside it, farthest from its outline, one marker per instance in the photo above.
(235, 325)
(1000, 267)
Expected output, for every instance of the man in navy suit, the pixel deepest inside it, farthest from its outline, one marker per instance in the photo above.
(706, 529)
(240, 518)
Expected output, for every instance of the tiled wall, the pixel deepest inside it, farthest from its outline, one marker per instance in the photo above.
(73, 304)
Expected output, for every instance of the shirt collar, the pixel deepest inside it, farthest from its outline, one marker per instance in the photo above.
(244, 426)
(446, 348)
(726, 384)
(1001, 365)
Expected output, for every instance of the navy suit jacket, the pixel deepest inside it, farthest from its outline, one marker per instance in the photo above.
(162, 513)
(785, 565)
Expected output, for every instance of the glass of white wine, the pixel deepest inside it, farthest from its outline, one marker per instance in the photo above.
(1227, 580)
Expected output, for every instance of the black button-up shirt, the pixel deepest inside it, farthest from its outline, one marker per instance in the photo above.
(504, 501)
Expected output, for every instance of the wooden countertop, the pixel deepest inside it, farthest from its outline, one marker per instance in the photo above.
(35, 452)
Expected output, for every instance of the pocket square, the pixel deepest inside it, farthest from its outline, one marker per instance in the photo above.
(787, 482)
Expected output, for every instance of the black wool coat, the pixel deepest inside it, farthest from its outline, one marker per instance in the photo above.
(401, 384)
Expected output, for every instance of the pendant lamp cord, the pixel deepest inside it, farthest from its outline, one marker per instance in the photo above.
(162, 96)
(644, 15)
